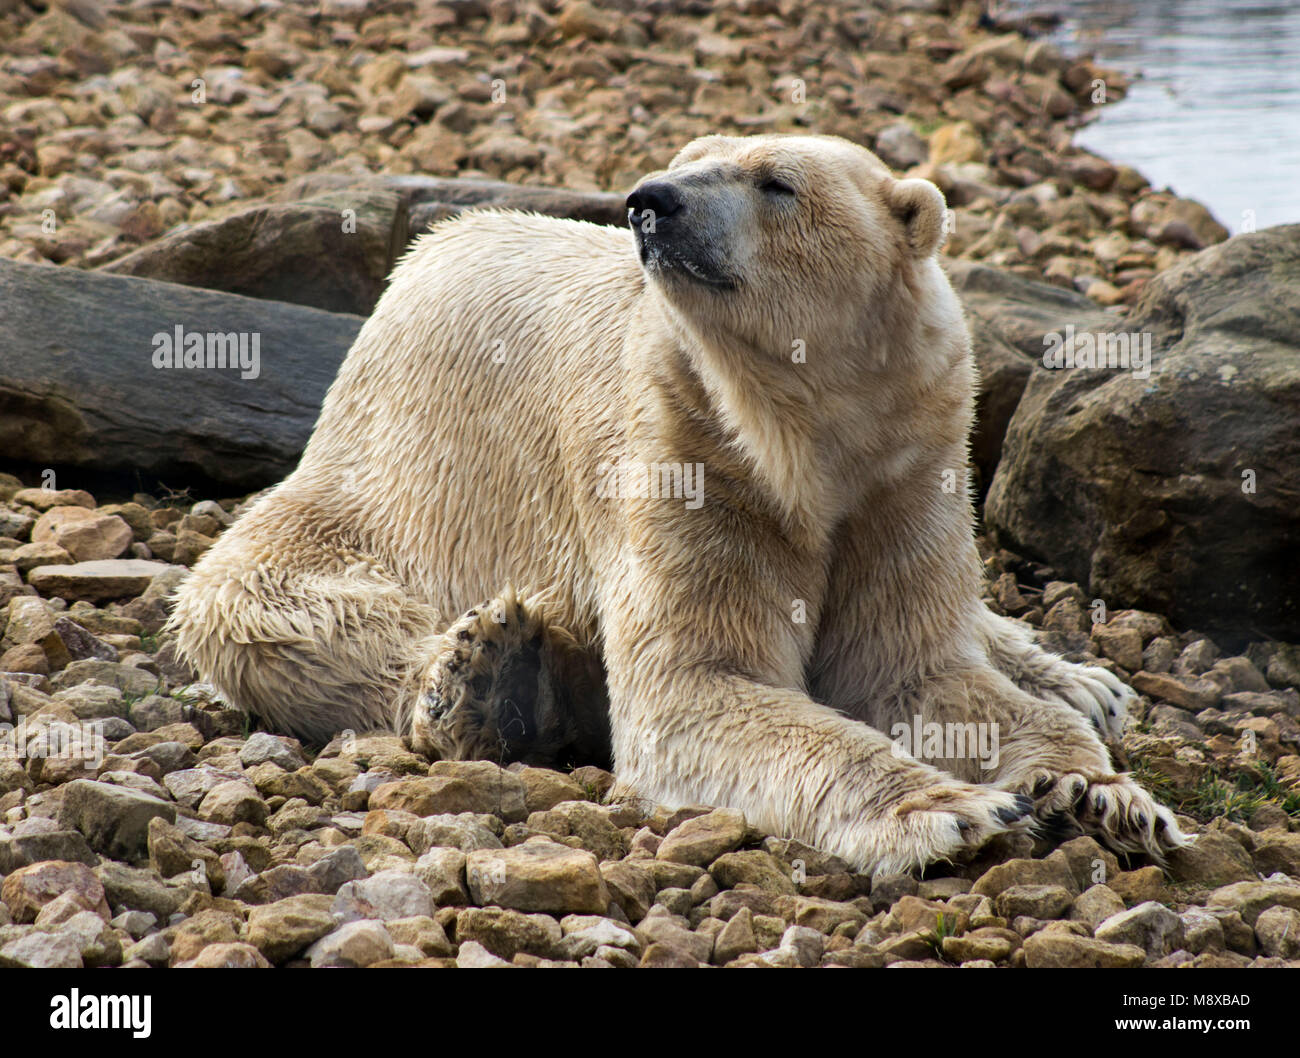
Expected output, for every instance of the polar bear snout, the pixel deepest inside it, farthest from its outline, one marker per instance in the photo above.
(680, 233)
(653, 202)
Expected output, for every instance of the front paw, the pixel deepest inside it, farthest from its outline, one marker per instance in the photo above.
(944, 822)
(478, 693)
(1112, 807)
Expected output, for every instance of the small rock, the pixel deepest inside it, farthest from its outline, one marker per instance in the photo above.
(1150, 926)
(233, 802)
(1202, 931)
(888, 889)
(443, 871)
(899, 147)
(1095, 905)
(701, 840)
(1122, 645)
(385, 895)
(336, 868)
(464, 832)
(230, 955)
(1193, 695)
(1062, 950)
(586, 935)
(538, 875)
(1251, 899)
(805, 944)
(1196, 658)
(453, 787)
(981, 945)
(90, 539)
(506, 933)
(191, 785)
(544, 789)
(752, 867)
(199, 931)
(1276, 852)
(262, 747)
(673, 933)
(1037, 901)
(29, 889)
(472, 955)
(81, 644)
(664, 956)
(24, 849)
(1278, 932)
(425, 934)
(1138, 886)
(354, 944)
(43, 499)
(1213, 859)
(1050, 871)
(135, 923)
(736, 938)
(137, 889)
(153, 950)
(173, 852)
(590, 824)
(96, 581)
(46, 951)
(99, 943)
(283, 929)
(632, 887)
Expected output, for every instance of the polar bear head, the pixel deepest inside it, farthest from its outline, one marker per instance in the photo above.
(770, 238)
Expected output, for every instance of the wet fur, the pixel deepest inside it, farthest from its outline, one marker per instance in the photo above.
(457, 454)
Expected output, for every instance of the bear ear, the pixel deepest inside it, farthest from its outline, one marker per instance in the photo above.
(920, 206)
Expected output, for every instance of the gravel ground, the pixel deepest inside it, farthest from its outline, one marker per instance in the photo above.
(142, 822)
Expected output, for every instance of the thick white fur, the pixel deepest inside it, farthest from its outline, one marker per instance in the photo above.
(513, 355)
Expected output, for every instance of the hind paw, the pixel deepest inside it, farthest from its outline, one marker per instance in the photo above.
(478, 694)
(504, 683)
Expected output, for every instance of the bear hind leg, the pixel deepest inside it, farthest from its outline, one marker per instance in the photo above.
(313, 648)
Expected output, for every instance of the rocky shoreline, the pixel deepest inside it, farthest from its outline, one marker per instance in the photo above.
(125, 122)
(183, 838)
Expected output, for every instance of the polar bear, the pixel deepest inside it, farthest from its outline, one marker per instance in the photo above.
(693, 494)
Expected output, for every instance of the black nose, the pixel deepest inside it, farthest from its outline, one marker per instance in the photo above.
(657, 200)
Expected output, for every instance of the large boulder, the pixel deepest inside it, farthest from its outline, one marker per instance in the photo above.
(1179, 492)
(1020, 310)
(330, 240)
(110, 578)
(79, 389)
(432, 198)
(1008, 316)
(332, 252)
(418, 190)
(391, 210)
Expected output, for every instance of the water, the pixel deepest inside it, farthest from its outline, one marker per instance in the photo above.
(1216, 113)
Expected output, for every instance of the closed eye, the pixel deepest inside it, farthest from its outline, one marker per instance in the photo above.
(775, 186)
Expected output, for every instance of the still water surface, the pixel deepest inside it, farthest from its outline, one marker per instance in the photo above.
(1216, 113)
